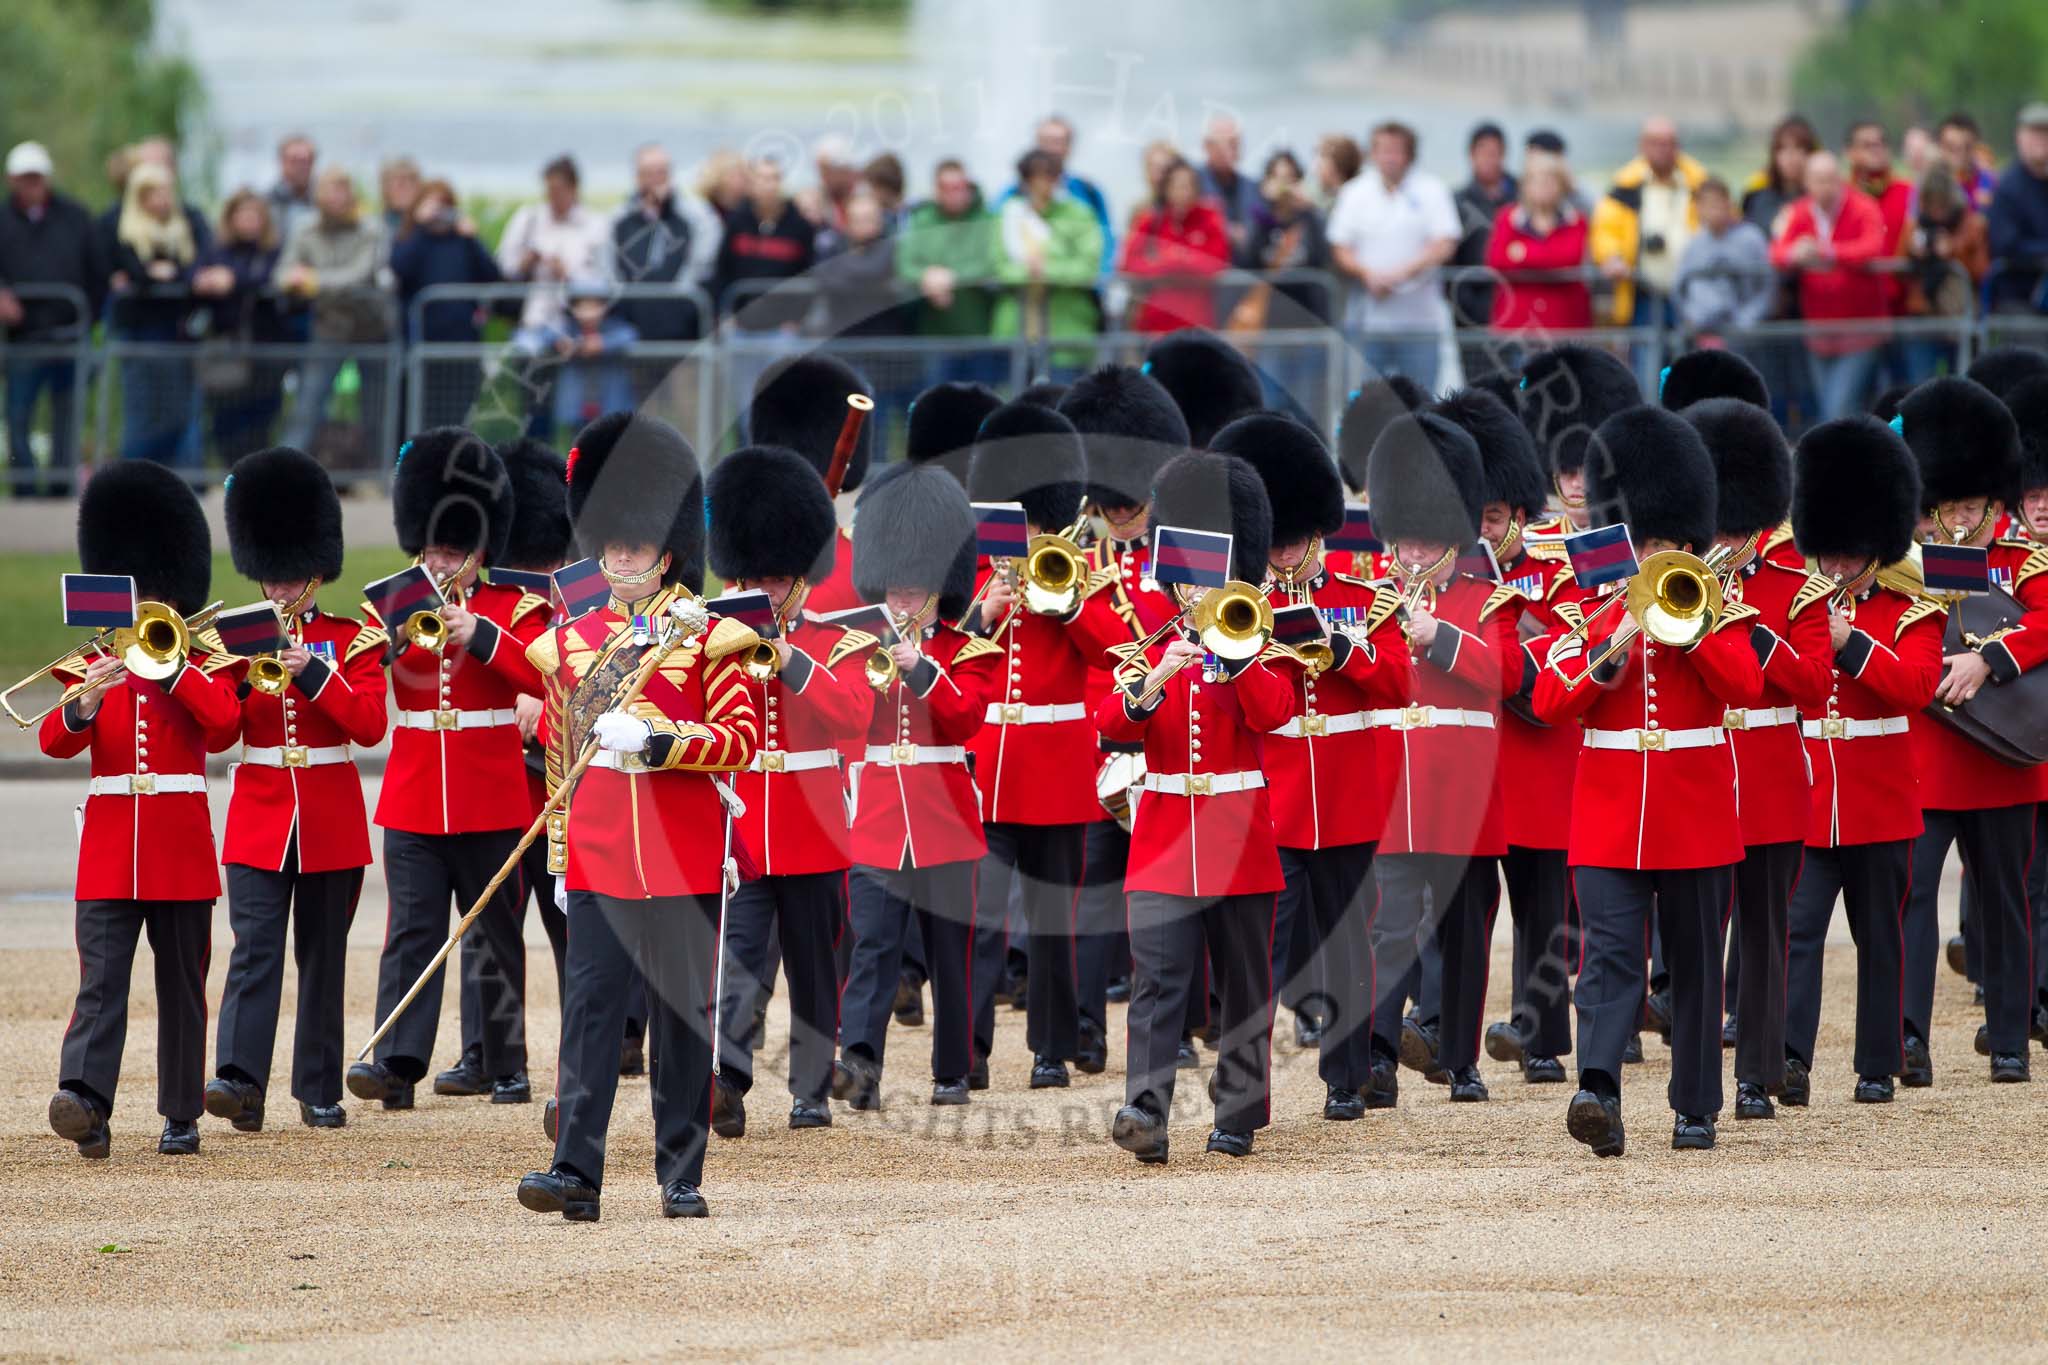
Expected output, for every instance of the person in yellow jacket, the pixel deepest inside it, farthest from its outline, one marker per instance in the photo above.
(1641, 225)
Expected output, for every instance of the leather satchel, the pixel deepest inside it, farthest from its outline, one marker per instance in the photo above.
(2009, 720)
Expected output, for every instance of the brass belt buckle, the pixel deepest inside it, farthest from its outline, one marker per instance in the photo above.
(1313, 724)
(447, 720)
(1735, 720)
(295, 756)
(1415, 718)
(903, 753)
(1013, 714)
(1198, 784)
(142, 784)
(1834, 727)
(1646, 740)
(632, 763)
(772, 761)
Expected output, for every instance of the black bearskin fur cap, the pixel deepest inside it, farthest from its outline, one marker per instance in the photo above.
(1425, 481)
(1648, 468)
(140, 519)
(1567, 392)
(1211, 382)
(1045, 393)
(1131, 427)
(943, 421)
(1507, 457)
(1885, 406)
(913, 528)
(450, 489)
(2001, 368)
(1030, 454)
(1855, 491)
(283, 517)
(1209, 491)
(1302, 484)
(770, 516)
(1965, 440)
(633, 480)
(540, 505)
(2028, 402)
(801, 404)
(1703, 374)
(1752, 464)
(1371, 409)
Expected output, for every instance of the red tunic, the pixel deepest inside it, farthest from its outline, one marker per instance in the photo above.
(1864, 787)
(1126, 609)
(457, 765)
(1326, 785)
(1537, 761)
(324, 708)
(1956, 773)
(1034, 758)
(820, 704)
(1771, 779)
(156, 847)
(921, 809)
(1206, 846)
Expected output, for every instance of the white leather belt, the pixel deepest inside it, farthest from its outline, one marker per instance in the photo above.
(1301, 727)
(1758, 718)
(792, 761)
(146, 784)
(294, 755)
(910, 755)
(620, 762)
(1202, 784)
(1645, 741)
(1429, 717)
(1841, 727)
(457, 720)
(1017, 713)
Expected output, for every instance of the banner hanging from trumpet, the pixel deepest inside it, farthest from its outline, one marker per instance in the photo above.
(95, 601)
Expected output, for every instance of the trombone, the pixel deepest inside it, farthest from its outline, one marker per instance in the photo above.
(1232, 622)
(1049, 581)
(155, 647)
(1674, 597)
(267, 673)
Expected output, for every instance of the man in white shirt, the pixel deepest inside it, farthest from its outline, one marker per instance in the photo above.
(1391, 231)
(552, 242)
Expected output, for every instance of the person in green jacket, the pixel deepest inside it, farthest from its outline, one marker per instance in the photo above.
(946, 251)
(1048, 248)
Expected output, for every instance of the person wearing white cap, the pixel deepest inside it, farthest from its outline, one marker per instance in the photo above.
(46, 240)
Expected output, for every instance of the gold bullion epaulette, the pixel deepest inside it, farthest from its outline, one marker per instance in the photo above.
(1735, 613)
(545, 653)
(975, 648)
(1500, 597)
(2036, 561)
(851, 642)
(1545, 548)
(1563, 578)
(1816, 588)
(1773, 538)
(368, 638)
(1385, 602)
(729, 637)
(1571, 613)
(527, 605)
(1921, 609)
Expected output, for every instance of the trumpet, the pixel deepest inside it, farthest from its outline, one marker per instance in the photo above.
(764, 661)
(267, 673)
(881, 665)
(1232, 622)
(426, 628)
(155, 647)
(1418, 589)
(1674, 598)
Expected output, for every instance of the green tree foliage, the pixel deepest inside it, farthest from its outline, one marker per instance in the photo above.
(1912, 61)
(85, 79)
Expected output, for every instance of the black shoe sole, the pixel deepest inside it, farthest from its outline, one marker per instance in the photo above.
(541, 1199)
(1416, 1054)
(248, 1121)
(551, 1120)
(511, 1097)
(177, 1149)
(1375, 1100)
(729, 1123)
(458, 1088)
(366, 1086)
(1091, 1065)
(1503, 1046)
(1555, 1076)
(1228, 1151)
(1478, 1096)
(1344, 1113)
(72, 1119)
(222, 1103)
(948, 1101)
(977, 1080)
(1050, 1082)
(1957, 955)
(1589, 1123)
(1140, 1139)
(694, 1209)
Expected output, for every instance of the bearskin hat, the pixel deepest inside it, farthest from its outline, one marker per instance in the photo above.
(633, 480)
(1302, 484)
(1370, 410)
(1211, 382)
(943, 421)
(1965, 440)
(770, 516)
(2002, 367)
(450, 489)
(1030, 454)
(1425, 481)
(2028, 402)
(1885, 406)
(1045, 393)
(1131, 427)
(1855, 491)
(283, 517)
(540, 505)
(913, 528)
(1752, 464)
(1507, 457)
(1206, 490)
(1648, 468)
(1502, 384)
(801, 404)
(1566, 393)
(1706, 373)
(139, 519)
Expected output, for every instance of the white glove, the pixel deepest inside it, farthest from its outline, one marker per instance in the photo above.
(622, 733)
(691, 614)
(562, 894)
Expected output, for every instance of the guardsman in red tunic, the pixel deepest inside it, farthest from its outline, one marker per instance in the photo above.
(645, 860)
(1203, 861)
(2029, 404)
(1654, 822)
(1565, 393)
(773, 530)
(1536, 760)
(1968, 447)
(1371, 407)
(917, 820)
(1035, 755)
(1440, 757)
(298, 836)
(1321, 765)
(1753, 470)
(800, 405)
(1854, 508)
(145, 845)
(454, 800)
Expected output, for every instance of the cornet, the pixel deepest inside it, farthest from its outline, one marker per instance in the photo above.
(764, 660)
(426, 628)
(881, 665)
(1418, 587)
(155, 647)
(267, 673)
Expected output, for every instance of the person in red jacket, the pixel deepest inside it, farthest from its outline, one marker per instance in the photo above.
(145, 844)
(1203, 861)
(1853, 510)
(1537, 760)
(1321, 765)
(646, 864)
(917, 820)
(1654, 817)
(1968, 448)
(800, 405)
(1753, 473)
(1440, 757)
(1180, 240)
(298, 836)
(1832, 237)
(1538, 247)
(773, 531)
(454, 798)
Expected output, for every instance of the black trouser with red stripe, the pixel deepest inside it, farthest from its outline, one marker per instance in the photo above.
(1763, 906)
(318, 907)
(1997, 846)
(1461, 893)
(802, 913)
(1047, 859)
(1101, 946)
(1539, 896)
(1167, 934)
(180, 938)
(1872, 881)
(940, 899)
(1332, 894)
